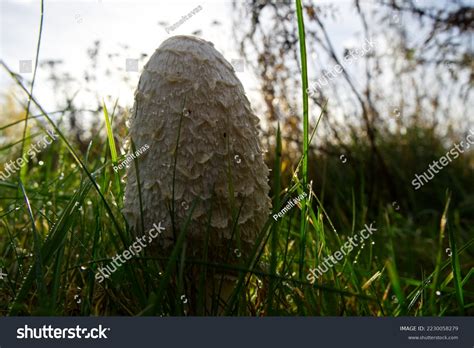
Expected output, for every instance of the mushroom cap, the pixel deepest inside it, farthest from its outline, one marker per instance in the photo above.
(188, 88)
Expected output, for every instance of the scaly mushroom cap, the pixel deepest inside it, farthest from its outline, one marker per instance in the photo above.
(188, 88)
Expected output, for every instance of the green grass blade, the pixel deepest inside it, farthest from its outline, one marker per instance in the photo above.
(24, 168)
(396, 285)
(37, 248)
(110, 135)
(304, 82)
(276, 225)
(28, 105)
(439, 256)
(456, 271)
(52, 243)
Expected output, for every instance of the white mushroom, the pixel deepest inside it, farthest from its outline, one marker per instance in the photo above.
(188, 89)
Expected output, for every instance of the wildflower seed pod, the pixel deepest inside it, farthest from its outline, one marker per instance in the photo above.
(204, 160)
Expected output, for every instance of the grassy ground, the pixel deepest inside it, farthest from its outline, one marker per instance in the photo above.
(61, 220)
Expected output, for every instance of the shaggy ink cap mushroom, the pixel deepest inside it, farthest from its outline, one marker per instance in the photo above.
(187, 88)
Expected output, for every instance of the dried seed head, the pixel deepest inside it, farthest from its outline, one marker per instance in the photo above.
(187, 98)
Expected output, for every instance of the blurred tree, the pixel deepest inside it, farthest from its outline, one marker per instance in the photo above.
(418, 74)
